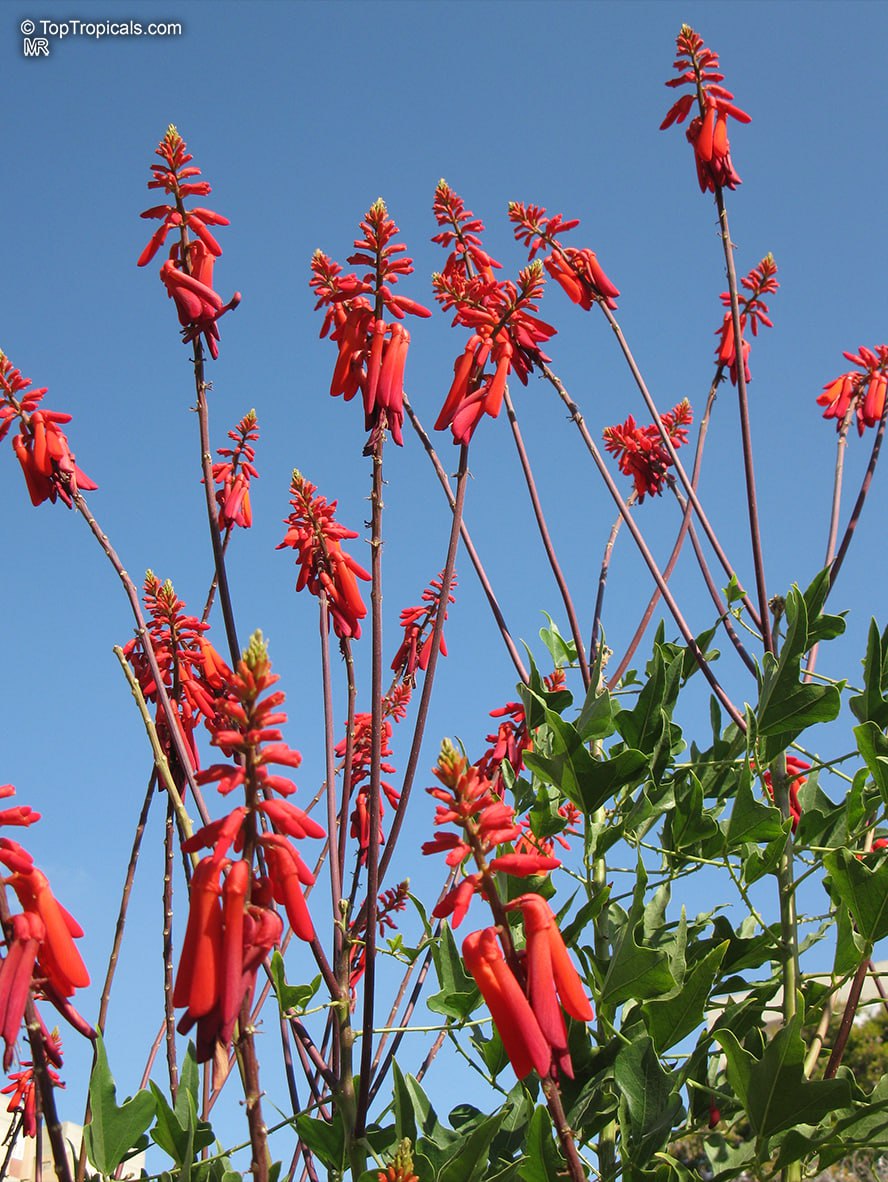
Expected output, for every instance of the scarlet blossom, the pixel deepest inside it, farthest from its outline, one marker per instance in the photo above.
(753, 309)
(388, 903)
(194, 675)
(795, 769)
(517, 1025)
(707, 132)
(41, 446)
(553, 983)
(577, 271)
(419, 625)
(469, 803)
(231, 922)
(22, 1086)
(188, 272)
(323, 564)
(234, 473)
(372, 350)
(640, 452)
(462, 235)
(360, 773)
(512, 737)
(863, 392)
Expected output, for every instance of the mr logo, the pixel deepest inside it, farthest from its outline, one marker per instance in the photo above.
(36, 47)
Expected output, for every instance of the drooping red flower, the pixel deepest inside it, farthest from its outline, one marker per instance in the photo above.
(188, 272)
(234, 473)
(708, 131)
(577, 271)
(41, 446)
(419, 626)
(232, 925)
(470, 804)
(323, 564)
(795, 769)
(372, 351)
(760, 281)
(524, 1041)
(640, 452)
(553, 983)
(864, 392)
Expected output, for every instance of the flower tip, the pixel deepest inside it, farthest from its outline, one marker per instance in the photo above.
(256, 652)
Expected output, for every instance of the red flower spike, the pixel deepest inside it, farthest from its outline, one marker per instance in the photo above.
(864, 393)
(418, 624)
(234, 473)
(515, 1021)
(759, 282)
(188, 273)
(707, 132)
(578, 272)
(401, 1168)
(22, 1088)
(640, 451)
(372, 352)
(323, 564)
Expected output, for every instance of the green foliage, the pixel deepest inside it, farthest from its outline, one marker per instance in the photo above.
(115, 1132)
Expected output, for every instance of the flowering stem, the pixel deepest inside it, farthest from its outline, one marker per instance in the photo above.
(547, 539)
(848, 1016)
(673, 456)
(745, 431)
(426, 695)
(602, 581)
(575, 1168)
(246, 1047)
(348, 761)
(467, 542)
(682, 533)
(577, 417)
(169, 1013)
(838, 479)
(330, 761)
(859, 503)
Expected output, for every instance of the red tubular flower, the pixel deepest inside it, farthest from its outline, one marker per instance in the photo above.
(760, 281)
(372, 351)
(22, 1088)
(517, 1025)
(578, 272)
(640, 451)
(188, 273)
(795, 769)
(234, 474)
(551, 977)
(418, 624)
(41, 446)
(323, 564)
(708, 131)
(469, 802)
(16, 975)
(198, 976)
(58, 958)
(863, 392)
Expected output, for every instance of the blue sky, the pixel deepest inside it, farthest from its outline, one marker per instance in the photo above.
(300, 115)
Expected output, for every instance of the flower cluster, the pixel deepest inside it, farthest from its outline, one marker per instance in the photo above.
(419, 627)
(41, 446)
(232, 925)
(512, 737)
(323, 564)
(234, 473)
(41, 954)
(188, 272)
(577, 272)
(864, 393)
(401, 1168)
(795, 771)
(372, 351)
(469, 802)
(499, 313)
(194, 675)
(529, 1013)
(22, 1086)
(760, 281)
(389, 902)
(707, 132)
(640, 452)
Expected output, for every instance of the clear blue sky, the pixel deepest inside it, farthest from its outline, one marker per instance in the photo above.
(300, 115)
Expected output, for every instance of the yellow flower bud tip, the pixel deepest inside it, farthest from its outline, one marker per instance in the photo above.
(256, 652)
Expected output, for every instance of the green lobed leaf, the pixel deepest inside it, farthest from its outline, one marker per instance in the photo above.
(543, 1162)
(326, 1139)
(114, 1132)
(872, 704)
(636, 971)
(459, 995)
(669, 1020)
(291, 998)
(873, 747)
(862, 890)
(649, 1103)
